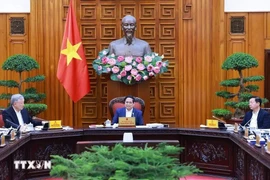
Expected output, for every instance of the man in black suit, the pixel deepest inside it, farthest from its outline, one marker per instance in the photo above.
(16, 114)
(257, 117)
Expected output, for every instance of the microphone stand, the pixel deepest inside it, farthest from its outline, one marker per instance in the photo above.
(221, 123)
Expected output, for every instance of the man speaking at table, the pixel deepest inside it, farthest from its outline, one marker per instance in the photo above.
(16, 114)
(128, 111)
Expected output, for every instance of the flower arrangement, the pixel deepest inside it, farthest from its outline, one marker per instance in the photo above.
(130, 70)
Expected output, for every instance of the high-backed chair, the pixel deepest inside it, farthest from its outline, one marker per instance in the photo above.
(1, 119)
(118, 102)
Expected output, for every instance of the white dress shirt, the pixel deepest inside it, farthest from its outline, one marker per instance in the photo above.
(19, 116)
(129, 113)
(253, 122)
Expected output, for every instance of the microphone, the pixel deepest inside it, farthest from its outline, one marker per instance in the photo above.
(247, 123)
(220, 120)
(10, 122)
(221, 123)
(7, 120)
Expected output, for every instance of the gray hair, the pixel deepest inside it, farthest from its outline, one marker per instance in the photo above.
(15, 98)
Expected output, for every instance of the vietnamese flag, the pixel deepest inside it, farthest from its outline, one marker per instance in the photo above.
(72, 69)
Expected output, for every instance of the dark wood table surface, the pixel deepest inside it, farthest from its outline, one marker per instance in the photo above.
(214, 151)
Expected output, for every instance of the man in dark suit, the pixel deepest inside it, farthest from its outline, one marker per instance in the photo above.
(16, 114)
(129, 45)
(257, 117)
(129, 111)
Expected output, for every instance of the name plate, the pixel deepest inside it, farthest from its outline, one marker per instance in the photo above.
(212, 123)
(55, 124)
(126, 122)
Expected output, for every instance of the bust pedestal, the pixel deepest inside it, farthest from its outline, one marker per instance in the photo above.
(142, 90)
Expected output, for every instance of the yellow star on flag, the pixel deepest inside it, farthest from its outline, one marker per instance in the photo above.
(71, 51)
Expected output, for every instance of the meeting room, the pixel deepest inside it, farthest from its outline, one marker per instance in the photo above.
(135, 89)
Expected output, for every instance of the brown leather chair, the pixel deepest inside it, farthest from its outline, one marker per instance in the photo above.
(1, 119)
(118, 102)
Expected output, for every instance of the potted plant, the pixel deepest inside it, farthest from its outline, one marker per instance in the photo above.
(238, 100)
(21, 63)
(123, 162)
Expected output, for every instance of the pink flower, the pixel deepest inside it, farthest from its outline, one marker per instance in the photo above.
(156, 70)
(123, 73)
(115, 69)
(159, 63)
(108, 69)
(140, 67)
(164, 64)
(150, 67)
(129, 78)
(128, 59)
(151, 74)
(138, 77)
(120, 58)
(145, 77)
(134, 72)
(119, 76)
(99, 68)
(128, 67)
(134, 63)
(138, 59)
(148, 58)
(112, 61)
(104, 60)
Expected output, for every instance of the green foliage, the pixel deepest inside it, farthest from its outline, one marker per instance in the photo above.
(253, 78)
(240, 61)
(35, 78)
(238, 100)
(230, 82)
(224, 94)
(35, 108)
(222, 113)
(9, 83)
(5, 95)
(20, 63)
(125, 163)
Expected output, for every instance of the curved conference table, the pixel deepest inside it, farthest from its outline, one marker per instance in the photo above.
(214, 151)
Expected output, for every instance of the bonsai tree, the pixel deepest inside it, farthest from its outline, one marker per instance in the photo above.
(21, 63)
(238, 100)
(125, 163)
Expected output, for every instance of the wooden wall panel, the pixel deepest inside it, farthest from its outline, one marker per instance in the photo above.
(193, 34)
(157, 24)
